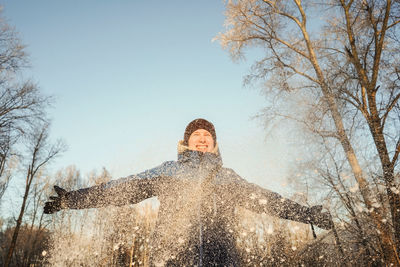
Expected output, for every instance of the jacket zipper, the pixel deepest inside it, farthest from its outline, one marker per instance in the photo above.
(200, 229)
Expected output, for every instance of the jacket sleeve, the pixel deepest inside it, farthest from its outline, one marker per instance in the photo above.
(261, 200)
(258, 199)
(129, 190)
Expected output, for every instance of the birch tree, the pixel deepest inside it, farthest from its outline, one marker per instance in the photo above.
(342, 58)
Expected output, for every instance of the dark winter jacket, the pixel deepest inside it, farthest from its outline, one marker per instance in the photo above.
(197, 198)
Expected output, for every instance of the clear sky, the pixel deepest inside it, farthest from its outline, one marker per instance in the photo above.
(128, 76)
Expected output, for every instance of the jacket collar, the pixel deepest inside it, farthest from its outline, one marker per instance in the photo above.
(185, 155)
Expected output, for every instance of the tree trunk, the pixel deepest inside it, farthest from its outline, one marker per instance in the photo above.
(389, 247)
(17, 227)
(388, 171)
(131, 260)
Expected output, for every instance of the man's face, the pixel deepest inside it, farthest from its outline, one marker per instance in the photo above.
(201, 140)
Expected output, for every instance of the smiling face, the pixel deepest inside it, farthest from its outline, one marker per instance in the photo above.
(201, 140)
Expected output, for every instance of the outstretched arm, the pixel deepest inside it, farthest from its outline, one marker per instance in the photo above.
(117, 193)
(130, 190)
(258, 199)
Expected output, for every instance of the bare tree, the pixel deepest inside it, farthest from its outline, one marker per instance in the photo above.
(41, 152)
(25, 243)
(21, 103)
(35, 220)
(341, 57)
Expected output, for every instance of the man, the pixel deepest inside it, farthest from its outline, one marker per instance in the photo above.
(195, 226)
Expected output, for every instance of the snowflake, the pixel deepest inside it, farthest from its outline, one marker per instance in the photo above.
(376, 205)
(360, 209)
(262, 201)
(354, 188)
(395, 190)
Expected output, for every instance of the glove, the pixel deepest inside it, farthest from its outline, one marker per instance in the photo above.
(58, 202)
(321, 219)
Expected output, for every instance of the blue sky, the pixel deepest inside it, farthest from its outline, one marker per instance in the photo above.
(128, 76)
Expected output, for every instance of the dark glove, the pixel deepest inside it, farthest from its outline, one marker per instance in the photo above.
(58, 202)
(321, 219)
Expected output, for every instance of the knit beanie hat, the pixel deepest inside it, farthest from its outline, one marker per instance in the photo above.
(199, 124)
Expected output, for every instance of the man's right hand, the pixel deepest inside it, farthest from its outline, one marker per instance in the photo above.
(58, 202)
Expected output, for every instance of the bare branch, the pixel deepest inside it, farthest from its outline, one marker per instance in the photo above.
(393, 24)
(389, 107)
(396, 152)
